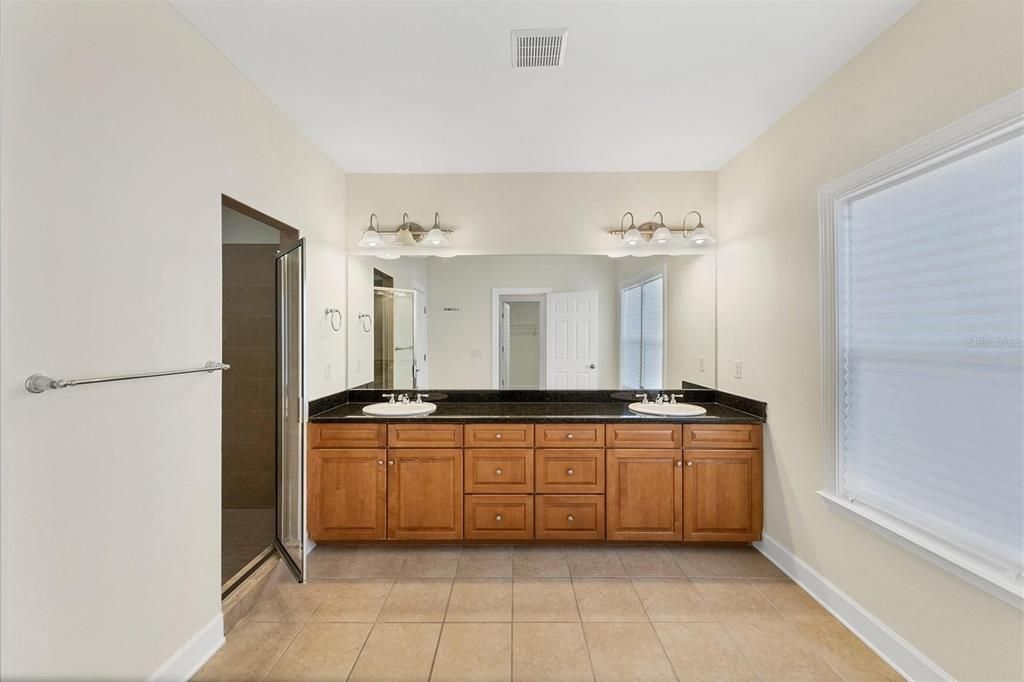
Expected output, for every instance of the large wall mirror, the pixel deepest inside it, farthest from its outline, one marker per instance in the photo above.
(531, 322)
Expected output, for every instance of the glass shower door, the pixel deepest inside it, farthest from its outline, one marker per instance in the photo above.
(290, 498)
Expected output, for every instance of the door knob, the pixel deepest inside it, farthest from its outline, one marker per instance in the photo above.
(592, 366)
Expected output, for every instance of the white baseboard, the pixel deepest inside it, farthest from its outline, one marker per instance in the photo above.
(184, 663)
(894, 650)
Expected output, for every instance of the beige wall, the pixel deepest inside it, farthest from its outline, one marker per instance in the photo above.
(121, 127)
(508, 213)
(940, 62)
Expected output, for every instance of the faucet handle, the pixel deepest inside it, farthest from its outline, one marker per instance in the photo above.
(662, 398)
(390, 396)
(676, 395)
(420, 397)
(644, 396)
(404, 398)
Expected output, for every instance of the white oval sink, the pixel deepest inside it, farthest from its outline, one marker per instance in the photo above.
(399, 409)
(668, 409)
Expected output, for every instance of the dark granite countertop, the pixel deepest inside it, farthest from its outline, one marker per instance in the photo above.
(538, 412)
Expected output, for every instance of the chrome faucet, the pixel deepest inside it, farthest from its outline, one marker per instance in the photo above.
(661, 399)
(390, 396)
(404, 398)
(674, 396)
(644, 396)
(420, 397)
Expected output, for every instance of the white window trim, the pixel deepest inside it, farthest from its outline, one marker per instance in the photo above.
(1000, 118)
(641, 278)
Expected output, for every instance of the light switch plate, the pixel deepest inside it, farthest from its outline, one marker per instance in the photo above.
(737, 369)
(701, 363)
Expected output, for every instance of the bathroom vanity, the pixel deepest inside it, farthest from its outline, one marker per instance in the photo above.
(536, 467)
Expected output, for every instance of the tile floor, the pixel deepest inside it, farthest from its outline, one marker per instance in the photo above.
(536, 613)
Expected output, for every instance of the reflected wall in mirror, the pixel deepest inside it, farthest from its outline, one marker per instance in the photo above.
(531, 322)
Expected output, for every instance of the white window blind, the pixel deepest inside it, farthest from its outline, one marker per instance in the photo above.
(930, 321)
(641, 340)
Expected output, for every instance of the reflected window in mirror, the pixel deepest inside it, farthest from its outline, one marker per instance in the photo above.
(642, 333)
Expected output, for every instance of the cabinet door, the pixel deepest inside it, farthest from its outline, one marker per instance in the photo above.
(722, 495)
(346, 494)
(644, 494)
(425, 494)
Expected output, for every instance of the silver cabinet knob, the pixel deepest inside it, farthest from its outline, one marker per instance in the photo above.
(569, 472)
(391, 461)
(679, 463)
(497, 436)
(497, 517)
(570, 436)
(497, 472)
(380, 462)
(689, 464)
(570, 518)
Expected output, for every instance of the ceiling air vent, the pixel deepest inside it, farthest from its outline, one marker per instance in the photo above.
(536, 48)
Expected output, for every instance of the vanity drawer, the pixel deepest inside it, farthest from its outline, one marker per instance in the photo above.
(570, 435)
(498, 470)
(645, 435)
(498, 517)
(499, 435)
(346, 435)
(570, 470)
(424, 435)
(727, 436)
(569, 517)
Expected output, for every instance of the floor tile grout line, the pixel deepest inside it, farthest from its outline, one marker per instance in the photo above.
(650, 624)
(742, 653)
(362, 646)
(583, 629)
(277, 659)
(440, 632)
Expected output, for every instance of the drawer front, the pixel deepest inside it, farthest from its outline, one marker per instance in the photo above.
(569, 517)
(570, 435)
(570, 471)
(498, 470)
(499, 517)
(346, 435)
(645, 435)
(499, 435)
(726, 436)
(424, 435)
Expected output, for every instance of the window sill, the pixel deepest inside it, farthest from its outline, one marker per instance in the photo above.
(1001, 584)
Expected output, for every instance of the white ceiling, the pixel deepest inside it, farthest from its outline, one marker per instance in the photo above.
(427, 87)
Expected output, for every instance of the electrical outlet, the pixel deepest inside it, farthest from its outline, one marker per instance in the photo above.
(701, 363)
(737, 369)
(327, 370)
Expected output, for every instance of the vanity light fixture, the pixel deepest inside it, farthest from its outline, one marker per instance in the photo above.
(371, 238)
(408, 234)
(698, 235)
(632, 236)
(657, 232)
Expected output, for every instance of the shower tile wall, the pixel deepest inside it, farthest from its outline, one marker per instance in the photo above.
(248, 395)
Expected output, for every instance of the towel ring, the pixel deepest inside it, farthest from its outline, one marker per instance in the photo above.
(368, 325)
(333, 314)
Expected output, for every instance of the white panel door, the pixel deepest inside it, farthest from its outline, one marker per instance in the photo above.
(572, 340)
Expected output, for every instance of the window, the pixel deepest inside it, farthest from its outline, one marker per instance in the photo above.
(924, 308)
(641, 338)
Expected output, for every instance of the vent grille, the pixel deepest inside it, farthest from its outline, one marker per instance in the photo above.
(538, 48)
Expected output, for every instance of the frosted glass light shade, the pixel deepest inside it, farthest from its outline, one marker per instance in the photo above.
(371, 239)
(662, 235)
(632, 237)
(436, 237)
(701, 237)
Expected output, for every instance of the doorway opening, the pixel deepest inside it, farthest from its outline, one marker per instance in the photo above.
(523, 342)
(252, 245)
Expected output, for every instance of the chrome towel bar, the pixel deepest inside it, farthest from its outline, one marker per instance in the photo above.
(37, 383)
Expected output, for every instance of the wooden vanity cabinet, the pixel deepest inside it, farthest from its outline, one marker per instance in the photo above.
(644, 481)
(723, 483)
(424, 493)
(347, 494)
